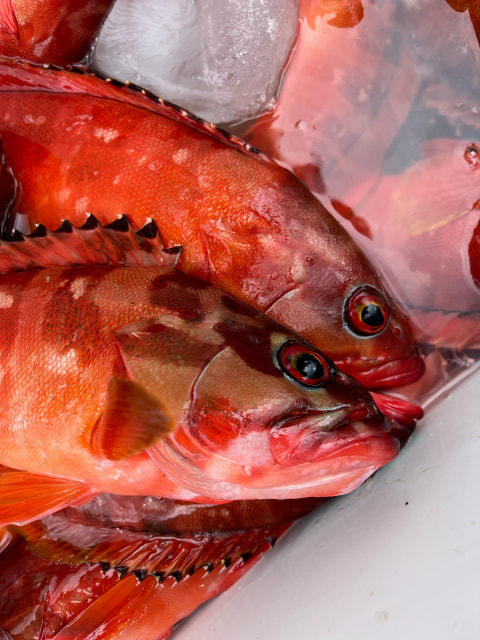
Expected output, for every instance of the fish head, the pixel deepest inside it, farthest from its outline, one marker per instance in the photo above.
(267, 415)
(340, 305)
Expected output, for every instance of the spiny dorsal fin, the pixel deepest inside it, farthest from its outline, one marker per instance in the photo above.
(115, 244)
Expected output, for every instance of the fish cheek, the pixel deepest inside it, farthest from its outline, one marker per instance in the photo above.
(233, 406)
(165, 360)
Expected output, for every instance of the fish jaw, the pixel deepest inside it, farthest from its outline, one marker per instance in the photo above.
(394, 373)
(313, 438)
(309, 456)
(385, 376)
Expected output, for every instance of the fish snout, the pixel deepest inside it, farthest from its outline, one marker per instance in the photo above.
(392, 373)
(320, 435)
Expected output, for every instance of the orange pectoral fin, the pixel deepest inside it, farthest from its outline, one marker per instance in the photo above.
(8, 17)
(133, 420)
(27, 496)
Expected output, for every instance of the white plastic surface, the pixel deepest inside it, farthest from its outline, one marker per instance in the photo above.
(399, 558)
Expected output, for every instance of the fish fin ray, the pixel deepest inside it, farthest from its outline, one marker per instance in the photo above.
(153, 607)
(133, 420)
(8, 17)
(92, 243)
(27, 496)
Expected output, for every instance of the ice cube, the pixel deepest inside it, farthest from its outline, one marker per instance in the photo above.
(221, 59)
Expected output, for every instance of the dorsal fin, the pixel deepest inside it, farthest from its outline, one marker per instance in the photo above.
(115, 244)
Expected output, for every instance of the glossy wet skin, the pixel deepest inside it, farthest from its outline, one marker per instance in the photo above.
(121, 550)
(245, 223)
(256, 411)
(269, 416)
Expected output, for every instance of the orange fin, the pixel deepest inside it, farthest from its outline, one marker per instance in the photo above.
(27, 496)
(8, 17)
(115, 244)
(149, 608)
(133, 420)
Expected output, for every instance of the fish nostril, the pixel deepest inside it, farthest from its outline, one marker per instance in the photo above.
(363, 412)
(397, 332)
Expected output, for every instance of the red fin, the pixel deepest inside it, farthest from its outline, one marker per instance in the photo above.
(149, 609)
(8, 17)
(26, 496)
(115, 244)
(62, 538)
(133, 420)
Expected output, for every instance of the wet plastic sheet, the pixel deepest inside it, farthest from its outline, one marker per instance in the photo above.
(382, 120)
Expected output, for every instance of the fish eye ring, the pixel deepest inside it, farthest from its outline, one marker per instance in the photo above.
(303, 364)
(365, 311)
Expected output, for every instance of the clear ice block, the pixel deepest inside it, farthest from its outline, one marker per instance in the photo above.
(221, 59)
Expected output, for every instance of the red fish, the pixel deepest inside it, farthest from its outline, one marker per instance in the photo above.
(431, 207)
(79, 145)
(52, 31)
(131, 567)
(338, 13)
(365, 82)
(365, 143)
(139, 380)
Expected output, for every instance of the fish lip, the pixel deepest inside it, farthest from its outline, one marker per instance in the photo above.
(332, 418)
(394, 373)
(301, 439)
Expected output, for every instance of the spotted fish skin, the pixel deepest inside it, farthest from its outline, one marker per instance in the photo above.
(111, 373)
(245, 223)
(52, 31)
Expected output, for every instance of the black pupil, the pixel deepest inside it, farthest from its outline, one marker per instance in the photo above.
(309, 367)
(372, 315)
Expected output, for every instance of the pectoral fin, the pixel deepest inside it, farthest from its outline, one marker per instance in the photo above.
(8, 17)
(27, 496)
(133, 420)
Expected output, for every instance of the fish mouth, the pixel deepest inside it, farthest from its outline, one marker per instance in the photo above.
(320, 436)
(395, 373)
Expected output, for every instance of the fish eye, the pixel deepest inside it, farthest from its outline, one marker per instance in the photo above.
(366, 311)
(303, 364)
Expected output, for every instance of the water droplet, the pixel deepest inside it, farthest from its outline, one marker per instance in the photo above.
(472, 155)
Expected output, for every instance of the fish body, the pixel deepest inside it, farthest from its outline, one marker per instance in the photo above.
(52, 31)
(93, 569)
(79, 145)
(365, 82)
(140, 380)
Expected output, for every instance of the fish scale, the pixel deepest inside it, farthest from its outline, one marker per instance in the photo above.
(137, 359)
(245, 223)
